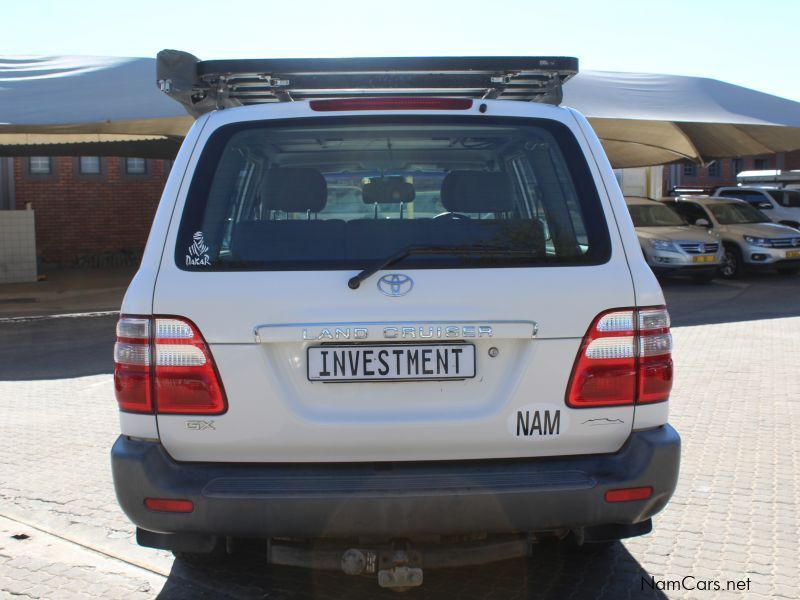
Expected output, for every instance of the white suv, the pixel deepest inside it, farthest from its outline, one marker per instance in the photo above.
(780, 205)
(419, 329)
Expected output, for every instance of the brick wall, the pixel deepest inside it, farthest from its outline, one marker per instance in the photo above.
(85, 219)
(725, 170)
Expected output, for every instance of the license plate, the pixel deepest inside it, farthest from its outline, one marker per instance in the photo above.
(391, 362)
(703, 259)
(793, 254)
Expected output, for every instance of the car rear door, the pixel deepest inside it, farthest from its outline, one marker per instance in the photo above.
(520, 326)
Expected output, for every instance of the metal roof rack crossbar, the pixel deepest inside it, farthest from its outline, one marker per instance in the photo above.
(203, 86)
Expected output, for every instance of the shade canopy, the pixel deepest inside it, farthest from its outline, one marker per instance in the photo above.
(111, 106)
(645, 119)
(70, 105)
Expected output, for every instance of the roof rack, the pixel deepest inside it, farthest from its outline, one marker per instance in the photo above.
(203, 86)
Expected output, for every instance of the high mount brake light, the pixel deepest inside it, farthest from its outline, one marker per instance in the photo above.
(625, 358)
(164, 364)
(391, 103)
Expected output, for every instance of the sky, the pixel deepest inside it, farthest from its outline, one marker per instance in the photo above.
(753, 44)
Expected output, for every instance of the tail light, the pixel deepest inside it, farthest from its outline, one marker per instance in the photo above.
(391, 103)
(625, 358)
(628, 494)
(169, 505)
(163, 364)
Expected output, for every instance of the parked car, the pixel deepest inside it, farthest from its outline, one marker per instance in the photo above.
(670, 245)
(780, 205)
(749, 238)
(437, 386)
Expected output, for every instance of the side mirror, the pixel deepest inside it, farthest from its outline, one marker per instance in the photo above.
(702, 223)
(764, 205)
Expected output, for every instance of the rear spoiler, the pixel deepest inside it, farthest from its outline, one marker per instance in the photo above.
(206, 85)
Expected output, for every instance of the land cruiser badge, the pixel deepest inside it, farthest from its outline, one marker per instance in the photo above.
(198, 252)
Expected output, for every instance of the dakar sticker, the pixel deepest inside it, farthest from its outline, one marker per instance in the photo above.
(198, 252)
(537, 420)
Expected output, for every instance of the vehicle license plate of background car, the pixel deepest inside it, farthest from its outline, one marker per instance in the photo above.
(391, 362)
(793, 254)
(703, 259)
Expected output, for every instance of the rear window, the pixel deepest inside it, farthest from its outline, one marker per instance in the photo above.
(334, 193)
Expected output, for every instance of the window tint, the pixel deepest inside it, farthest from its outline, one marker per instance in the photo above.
(654, 215)
(753, 197)
(737, 213)
(691, 212)
(347, 193)
(786, 198)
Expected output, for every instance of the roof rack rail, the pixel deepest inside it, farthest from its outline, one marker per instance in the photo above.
(206, 85)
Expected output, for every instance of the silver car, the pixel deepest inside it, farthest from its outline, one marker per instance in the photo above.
(670, 245)
(750, 239)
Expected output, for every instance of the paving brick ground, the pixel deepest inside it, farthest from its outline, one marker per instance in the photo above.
(734, 517)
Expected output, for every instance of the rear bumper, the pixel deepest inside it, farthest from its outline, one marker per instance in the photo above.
(396, 499)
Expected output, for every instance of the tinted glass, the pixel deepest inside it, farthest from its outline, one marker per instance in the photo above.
(691, 212)
(786, 198)
(345, 194)
(655, 215)
(737, 214)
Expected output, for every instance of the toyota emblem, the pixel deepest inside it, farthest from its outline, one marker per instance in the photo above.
(395, 284)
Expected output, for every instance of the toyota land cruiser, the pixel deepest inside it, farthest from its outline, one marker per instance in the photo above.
(401, 321)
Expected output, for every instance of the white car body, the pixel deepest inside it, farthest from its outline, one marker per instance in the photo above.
(779, 204)
(527, 325)
(290, 419)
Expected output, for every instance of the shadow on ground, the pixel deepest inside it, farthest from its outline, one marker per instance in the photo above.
(56, 348)
(552, 572)
(753, 297)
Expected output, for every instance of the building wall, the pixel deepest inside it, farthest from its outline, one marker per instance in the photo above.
(90, 220)
(17, 246)
(724, 171)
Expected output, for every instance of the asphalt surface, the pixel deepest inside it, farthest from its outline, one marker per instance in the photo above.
(733, 519)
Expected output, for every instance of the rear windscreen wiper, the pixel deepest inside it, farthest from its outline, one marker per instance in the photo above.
(354, 282)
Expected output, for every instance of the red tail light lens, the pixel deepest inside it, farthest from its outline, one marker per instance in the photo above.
(628, 494)
(164, 363)
(624, 358)
(655, 355)
(186, 379)
(169, 505)
(132, 365)
(391, 103)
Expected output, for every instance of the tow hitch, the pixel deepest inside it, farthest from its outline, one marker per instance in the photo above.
(397, 564)
(401, 566)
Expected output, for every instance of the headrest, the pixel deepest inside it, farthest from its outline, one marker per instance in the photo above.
(294, 190)
(476, 191)
(391, 190)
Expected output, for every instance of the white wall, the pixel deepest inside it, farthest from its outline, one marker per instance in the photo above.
(17, 246)
(643, 181)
